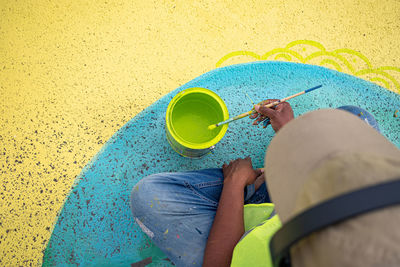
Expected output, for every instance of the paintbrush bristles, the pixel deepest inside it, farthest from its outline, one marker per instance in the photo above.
(212, 127)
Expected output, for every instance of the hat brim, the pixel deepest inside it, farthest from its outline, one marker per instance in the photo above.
(309, 139)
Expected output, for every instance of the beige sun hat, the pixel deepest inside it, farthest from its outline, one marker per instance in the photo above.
(321, 155)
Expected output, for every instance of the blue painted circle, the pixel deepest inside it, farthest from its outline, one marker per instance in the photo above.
(95, 226)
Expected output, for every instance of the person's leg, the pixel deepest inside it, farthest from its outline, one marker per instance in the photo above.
(176, 210)
(259, 196)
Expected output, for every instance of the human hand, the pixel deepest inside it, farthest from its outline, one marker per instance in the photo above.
(240, 172)
(278, 115)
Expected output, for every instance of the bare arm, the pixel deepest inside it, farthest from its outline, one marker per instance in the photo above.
(227, 229)
(228, 226)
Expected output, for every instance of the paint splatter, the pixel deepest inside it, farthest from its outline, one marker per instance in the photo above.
(105, 173)
(177, 236)
(166, 232)
(395, 113)
(251, 100)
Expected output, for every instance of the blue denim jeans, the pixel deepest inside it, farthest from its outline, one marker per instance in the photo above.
(176, 210)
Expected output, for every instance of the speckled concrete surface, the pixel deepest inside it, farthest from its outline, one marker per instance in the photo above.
(96, 226)
(73, 73)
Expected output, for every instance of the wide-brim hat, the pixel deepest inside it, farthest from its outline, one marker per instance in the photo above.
(321, 155)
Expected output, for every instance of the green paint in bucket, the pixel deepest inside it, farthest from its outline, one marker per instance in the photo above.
(188, 116)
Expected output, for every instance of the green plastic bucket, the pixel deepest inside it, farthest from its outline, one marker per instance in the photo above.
(188, 116)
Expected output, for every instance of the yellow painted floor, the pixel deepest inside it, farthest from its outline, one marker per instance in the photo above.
(73, 72)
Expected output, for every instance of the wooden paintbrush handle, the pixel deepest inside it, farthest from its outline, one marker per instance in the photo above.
(268, 106)
(283, 100)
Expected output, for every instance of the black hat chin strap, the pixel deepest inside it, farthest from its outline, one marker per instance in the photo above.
(330, 212)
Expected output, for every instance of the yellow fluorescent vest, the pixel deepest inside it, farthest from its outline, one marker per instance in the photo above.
(253, 248)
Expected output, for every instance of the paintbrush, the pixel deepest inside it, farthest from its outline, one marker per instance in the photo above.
(213, 126)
